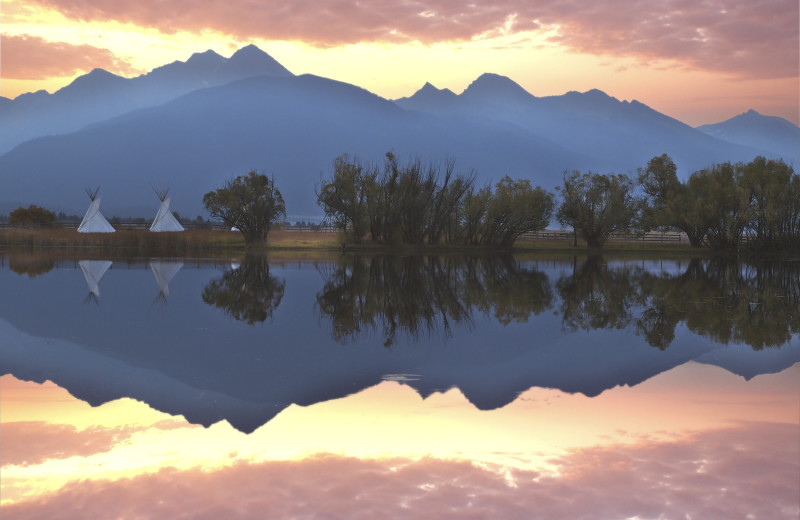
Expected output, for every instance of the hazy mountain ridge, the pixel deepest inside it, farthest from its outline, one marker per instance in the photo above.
(194, 124)
(621, 135)
(100, 95)
(292, 127)
(767, 132)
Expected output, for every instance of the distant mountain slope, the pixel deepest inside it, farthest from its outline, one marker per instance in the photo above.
(774, 134)
(621, 135)
(292, 127)
(100, 95)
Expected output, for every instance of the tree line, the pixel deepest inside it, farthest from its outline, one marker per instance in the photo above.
(721, 206)
(416, 203)
(724, 206)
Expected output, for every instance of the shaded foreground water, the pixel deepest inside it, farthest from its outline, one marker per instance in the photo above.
(399, 387)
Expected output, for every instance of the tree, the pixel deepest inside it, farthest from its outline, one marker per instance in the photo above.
(32, 217)
(660, 183)
(670, 203)
(772, 196)
(250, 203)
(596, 205)
(722, 203)
(516, 208)
(473, 214)
(344, 196)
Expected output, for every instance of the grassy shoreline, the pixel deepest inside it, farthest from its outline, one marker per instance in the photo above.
(215, 243)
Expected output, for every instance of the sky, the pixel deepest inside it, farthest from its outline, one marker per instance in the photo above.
(701, 61)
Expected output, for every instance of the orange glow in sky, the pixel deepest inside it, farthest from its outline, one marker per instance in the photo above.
(700, 64)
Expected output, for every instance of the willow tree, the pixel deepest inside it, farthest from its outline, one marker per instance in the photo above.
(516, 208)
(250, 203)
(596, 205)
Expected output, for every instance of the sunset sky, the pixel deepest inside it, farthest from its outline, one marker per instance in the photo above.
(700, 62)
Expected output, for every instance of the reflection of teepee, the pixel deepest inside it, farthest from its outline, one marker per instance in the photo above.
(93, 271)
(165, 220)
(94, 221)
(165, 272)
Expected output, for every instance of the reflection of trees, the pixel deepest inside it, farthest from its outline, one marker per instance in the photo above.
(416, 294)
(597, 297)
(744, 303)
(32, 265)
(247, 293)
(728, 302)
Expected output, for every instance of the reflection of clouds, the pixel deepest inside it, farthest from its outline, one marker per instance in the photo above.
(749, 469)
(33, 442)
(27, 443)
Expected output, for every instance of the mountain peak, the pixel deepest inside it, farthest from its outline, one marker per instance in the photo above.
(254, 59)
(428, 89)
(428, 98)
(769, 133)
(96, 79)
(206, 57)
(596, 93)
(248, 51)
(490, 86)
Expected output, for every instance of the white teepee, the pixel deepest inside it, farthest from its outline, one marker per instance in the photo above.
(93, 271)
(94, 221)
(165, 220)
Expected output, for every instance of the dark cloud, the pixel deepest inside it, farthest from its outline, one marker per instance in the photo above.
(750, 39)
(751, 469)
(31, 57)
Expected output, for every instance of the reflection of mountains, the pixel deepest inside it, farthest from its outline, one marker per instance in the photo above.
(191, 358)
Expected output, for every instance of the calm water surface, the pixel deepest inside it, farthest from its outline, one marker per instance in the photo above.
(399, 387)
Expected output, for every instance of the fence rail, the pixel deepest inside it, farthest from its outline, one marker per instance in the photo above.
(618, 237)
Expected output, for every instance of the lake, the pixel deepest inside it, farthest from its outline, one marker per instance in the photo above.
(464, 386)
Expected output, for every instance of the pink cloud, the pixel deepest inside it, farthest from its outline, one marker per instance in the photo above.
(751, 469)
(31, 57)
(750, 39)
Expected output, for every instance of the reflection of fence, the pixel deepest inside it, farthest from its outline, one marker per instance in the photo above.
(657, 237)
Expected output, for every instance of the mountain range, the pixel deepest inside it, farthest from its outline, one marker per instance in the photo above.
(192, 125)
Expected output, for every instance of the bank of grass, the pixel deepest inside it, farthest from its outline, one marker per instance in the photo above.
(134, 242)
(287, 242)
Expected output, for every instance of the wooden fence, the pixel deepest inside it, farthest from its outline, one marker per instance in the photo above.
(656, 237)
